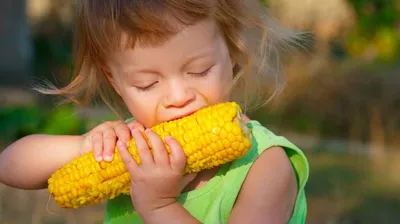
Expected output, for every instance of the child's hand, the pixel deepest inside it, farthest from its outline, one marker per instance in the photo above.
(102, 139)
(159, 179)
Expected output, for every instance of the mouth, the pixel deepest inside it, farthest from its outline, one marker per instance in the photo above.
(182, 116)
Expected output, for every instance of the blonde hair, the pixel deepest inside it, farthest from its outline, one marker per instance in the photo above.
(255, 42)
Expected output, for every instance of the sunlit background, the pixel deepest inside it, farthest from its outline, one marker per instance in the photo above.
(341, 104)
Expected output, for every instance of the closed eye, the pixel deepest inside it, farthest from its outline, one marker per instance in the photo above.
(203, 73)
(146, 88)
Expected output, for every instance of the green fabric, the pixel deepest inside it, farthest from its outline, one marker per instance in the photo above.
(213, 202)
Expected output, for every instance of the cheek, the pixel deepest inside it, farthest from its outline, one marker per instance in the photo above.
(225, 78)
(141, 106)
(216, 87)
(143, 117)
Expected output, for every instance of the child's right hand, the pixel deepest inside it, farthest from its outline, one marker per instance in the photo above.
(102, 139)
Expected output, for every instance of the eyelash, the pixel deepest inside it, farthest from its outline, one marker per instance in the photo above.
(204, 73)
(146, 88)
(201, 74)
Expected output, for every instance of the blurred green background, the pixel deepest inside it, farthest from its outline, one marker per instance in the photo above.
(341, 103)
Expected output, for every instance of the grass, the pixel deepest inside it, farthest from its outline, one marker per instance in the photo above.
(350, 189)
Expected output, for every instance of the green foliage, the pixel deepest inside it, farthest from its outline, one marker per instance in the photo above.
(374, 14)
(375, 33)
(17, 122)
(62, 121)
(345, 186)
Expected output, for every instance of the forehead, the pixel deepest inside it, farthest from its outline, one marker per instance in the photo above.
(202, 36)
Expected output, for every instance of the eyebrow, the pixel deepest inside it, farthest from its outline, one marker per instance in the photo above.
(132, 71)
(145, 70)
(189, 60)
(196, 56)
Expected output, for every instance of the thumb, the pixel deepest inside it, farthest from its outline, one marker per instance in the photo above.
(187, 178)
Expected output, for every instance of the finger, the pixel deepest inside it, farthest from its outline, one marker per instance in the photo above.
(245, 118)
(126, 157)
(97, 143)
(123, 132)
(102, 127)
(109, 138)
(186, 179)
(135, 125)
(159, 152)
(178, 157)
(146, 158)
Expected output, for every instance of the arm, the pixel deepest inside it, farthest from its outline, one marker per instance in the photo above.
(172, 213)
(269, 192)
(29, 162)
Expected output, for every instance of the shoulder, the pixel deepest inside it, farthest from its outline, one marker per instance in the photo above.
(269, 190)
(273, 182)
(266, 141)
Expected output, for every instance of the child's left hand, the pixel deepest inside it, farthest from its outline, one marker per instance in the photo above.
(158, 181)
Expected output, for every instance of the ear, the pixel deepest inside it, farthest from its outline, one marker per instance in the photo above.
(233, 62)
(235, 66)
(235, 69)
(108, 74)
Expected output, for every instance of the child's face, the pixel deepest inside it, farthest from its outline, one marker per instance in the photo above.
(159, 83)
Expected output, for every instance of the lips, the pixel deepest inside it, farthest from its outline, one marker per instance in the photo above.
(183, 115)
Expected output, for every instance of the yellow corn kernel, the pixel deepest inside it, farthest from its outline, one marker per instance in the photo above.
(210, 137)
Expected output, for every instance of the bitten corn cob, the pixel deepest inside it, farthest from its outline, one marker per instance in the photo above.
(210, 137)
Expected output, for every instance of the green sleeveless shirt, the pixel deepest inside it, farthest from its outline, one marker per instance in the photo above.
(213, 202)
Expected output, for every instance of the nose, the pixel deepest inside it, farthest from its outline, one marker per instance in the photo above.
(179, 94)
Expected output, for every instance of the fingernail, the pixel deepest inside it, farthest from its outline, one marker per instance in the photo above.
(124, 142)
(140, 128)
(108, 158)
(121, 145)
(99, 157)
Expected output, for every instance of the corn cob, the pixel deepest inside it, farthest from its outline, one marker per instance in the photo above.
(210, 137)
